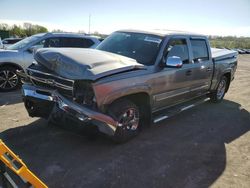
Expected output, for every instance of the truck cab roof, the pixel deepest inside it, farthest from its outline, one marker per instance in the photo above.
(164, 33)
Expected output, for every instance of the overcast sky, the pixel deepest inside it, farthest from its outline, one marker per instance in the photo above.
(214, 17)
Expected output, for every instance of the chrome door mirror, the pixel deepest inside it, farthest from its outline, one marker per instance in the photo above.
(174, 62)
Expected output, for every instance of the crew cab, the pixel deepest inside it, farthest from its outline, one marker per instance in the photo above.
(19, 56)
(132, 79)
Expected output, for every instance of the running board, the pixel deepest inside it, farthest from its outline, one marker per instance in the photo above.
(169, 112)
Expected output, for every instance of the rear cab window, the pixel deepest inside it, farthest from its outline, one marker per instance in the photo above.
(199, 50)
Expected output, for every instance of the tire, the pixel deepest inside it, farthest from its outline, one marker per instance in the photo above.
(9, 80)
(218, 95)
(127, 114)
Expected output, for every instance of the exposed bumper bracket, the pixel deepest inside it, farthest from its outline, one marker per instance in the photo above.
(31, 93)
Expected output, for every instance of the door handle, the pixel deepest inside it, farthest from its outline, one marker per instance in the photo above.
(209, 69)
(188, 73)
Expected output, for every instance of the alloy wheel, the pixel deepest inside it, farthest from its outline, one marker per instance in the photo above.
(221, 89)
(8, 79)
(130, 119)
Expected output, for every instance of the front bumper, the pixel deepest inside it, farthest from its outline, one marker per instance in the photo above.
(41, 102)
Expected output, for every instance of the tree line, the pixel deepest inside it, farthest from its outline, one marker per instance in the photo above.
(230, 42)
(27, 29)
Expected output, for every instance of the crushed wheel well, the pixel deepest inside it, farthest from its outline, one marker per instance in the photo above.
(228, 76)
(142, 100)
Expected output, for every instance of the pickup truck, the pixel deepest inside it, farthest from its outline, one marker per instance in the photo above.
(132, 79)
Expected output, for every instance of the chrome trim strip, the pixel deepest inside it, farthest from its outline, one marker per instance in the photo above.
(160, 119)
(56, 84)
(159, 98)
(187, 107)
(48, 74)
(197, 88)
(33, 93)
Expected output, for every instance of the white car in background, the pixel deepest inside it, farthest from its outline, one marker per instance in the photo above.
(20, 55)
(9, 41)
(1, 43)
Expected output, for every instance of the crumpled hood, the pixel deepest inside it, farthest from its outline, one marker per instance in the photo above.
(79, 63)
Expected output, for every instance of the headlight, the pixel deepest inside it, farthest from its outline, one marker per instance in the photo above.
(84, 93)
(35, 62)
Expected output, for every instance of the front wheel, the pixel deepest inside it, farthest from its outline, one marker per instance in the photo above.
(127, 114)
(9, 80)
(220, 91)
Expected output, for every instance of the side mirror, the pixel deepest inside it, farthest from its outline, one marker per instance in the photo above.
(32, 49)
(174, 62)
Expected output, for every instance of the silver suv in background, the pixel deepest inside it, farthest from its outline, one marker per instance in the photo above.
(10, 41)
(1, 43)
(20, 55)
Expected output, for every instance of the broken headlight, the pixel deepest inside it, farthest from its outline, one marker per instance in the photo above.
(84, 93)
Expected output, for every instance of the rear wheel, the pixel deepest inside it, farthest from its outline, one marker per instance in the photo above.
(127, 114)
(220, 91)
(8, 79)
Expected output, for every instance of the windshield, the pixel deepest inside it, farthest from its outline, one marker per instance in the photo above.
(141, 47)
(23, 42)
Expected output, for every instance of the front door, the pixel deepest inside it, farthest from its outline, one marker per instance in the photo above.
(174, 84)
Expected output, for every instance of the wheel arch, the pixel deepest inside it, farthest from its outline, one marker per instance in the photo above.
(140, 99)
(228, 76)
(4, 64)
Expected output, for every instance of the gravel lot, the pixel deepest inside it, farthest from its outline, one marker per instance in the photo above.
(207, 146)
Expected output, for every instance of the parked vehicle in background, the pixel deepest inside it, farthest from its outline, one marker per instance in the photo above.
(9, 41)
(20, 55)
(246, 51)
(240, 51)
(1, 43)
(130, 79)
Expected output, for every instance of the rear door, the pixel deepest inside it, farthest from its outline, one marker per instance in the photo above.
(202, 66)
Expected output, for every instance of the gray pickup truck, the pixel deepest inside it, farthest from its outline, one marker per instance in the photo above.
(133, 78)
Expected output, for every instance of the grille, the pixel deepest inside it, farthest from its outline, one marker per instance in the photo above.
(51, 81)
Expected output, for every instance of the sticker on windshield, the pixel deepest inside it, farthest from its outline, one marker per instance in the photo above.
(152, 39)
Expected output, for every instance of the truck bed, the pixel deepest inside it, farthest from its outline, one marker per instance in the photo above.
(220, 54)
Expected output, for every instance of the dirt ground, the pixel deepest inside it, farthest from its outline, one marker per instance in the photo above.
(207, 146)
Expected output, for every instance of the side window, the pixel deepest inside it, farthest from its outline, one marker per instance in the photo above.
(76, 43)
(65, 42)
(178, 47)
(39, 44)
(16, 40)
(52, 43)
(88, 43)
(13, 41)
(200, 51)
(5, 42)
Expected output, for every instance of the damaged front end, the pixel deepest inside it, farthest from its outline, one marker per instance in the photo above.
(62, 100)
